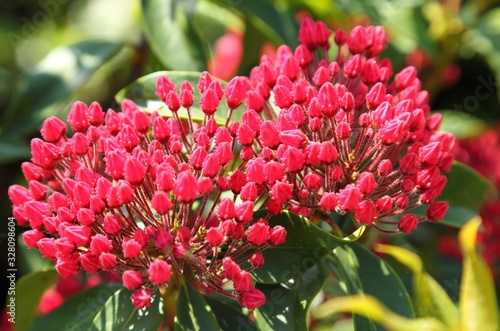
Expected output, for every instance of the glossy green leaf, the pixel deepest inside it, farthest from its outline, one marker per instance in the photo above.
(287, 304)
(118, 313)
(430, 299)
(171, 35)
(463, 125)
(28, 291)
(369, 307)
(48, 89)
(365, 273)
(305, 245)
(142, 92)
(78, 312)
(478, 303)
(229, 314)
(276, 22)
(193, 312)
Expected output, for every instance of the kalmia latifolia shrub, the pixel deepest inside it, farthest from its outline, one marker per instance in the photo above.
(147, 197)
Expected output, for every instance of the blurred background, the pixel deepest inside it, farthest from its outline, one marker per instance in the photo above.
(54, 52)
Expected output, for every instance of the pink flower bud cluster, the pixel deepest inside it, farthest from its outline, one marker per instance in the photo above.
(344, 135)
(146, 196)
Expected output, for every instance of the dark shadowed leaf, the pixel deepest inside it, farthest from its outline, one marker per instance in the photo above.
(287, 304)
(305, 245)
(365, 273)
(229, 314)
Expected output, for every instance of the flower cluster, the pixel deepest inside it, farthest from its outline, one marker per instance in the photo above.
(342, 135)
(144, 196)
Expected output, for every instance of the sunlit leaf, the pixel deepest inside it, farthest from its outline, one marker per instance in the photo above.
(430, 299)
(27, 293)
(50, 86)
(142, 92)
(478, 303)
(193, 312)
(371, 308)
(171, 35)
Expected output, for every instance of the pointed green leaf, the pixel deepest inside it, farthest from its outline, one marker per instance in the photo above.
(370, 307)
(365, 273)
(77, 312)
(462, 180)
(305, 245)
(171, 35)
(143, 90)
(28, 291)
(119, 313)
(478, 303)
(287, 304)
(50, 86)
(430, 299)
(193, 312)
(229, 314)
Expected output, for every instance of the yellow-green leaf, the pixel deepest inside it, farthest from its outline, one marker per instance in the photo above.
(373, 309)
(478, 304)
(430, 299)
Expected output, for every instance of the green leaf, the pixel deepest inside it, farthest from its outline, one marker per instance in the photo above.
(230, 317)
(370, 307)
(276, 22)
(118, 313)
(12, 150)
(77, 312)
(478, 303)
(463, 125)
(287, 304)
(430, 299)
(365, 273)
(143, 90)
(173, 39)
(28, 291)
(51, 85)
(462, 181)
(193, 312)
(305, 245)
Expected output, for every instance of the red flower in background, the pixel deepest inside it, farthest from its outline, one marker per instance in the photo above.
(228, 54)
(483, 154)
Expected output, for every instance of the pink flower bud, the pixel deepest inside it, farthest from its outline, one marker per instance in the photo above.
(131, 279)
(78, 117)
(242, 281)
(53, 129)
(258, 233)
(437, 211)
(328, 201)
(366, 183)
(186, 187)
(100, 244)
(107, 260)
(408, 223)
(252, 298)
(214, 236)
(141, 298)
(159, 272)
(366, 212)
(277, 235)
(349, 197)
(67, 267)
